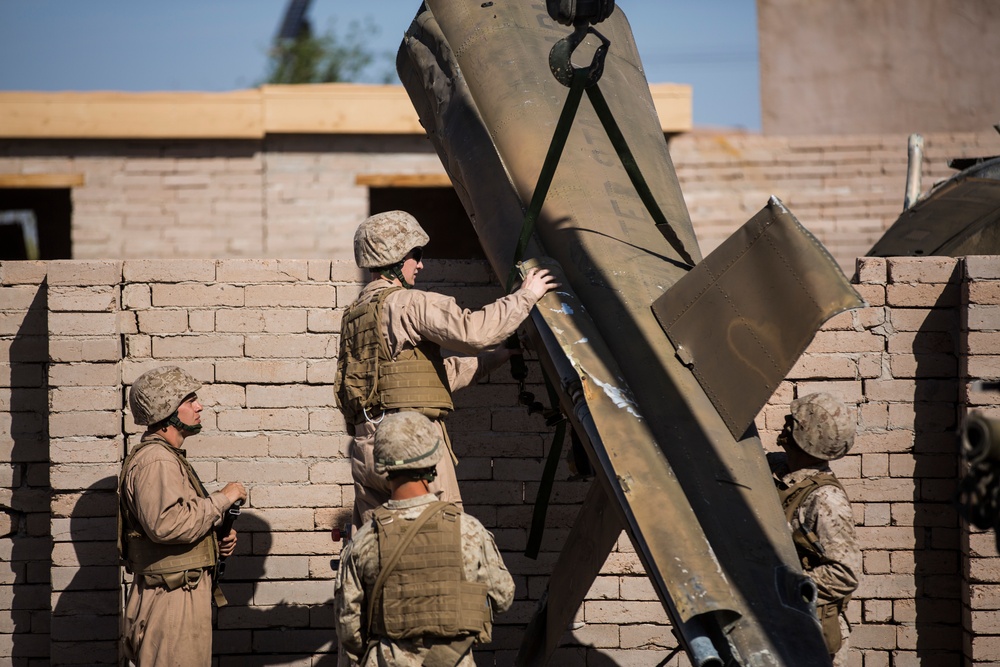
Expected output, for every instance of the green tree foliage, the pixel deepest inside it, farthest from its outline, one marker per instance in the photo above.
(326, 58)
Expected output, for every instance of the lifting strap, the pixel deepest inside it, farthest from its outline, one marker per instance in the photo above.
(578, 80)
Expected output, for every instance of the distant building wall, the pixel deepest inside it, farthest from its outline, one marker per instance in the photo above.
(878, 66)
(302, 196)
(847, 190)
(263, 335)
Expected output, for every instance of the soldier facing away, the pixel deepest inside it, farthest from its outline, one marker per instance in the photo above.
(420, 582)
(167, 523)
(820, 429)
(407, 349)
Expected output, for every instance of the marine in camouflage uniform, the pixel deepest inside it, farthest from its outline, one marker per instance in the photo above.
(407, 349)
(820, 429)
(167, 523)
(419, 584)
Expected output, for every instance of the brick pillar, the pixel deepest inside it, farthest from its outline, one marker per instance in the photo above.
(25, 538)
(980, 357)
(85, 429)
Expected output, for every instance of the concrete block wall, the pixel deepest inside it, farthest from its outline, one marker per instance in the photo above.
(897, 360)
(845, 189)
(979, 357)
(291, 196)
(297, 196)
(262, 335)
(312, 200)
(25, 507)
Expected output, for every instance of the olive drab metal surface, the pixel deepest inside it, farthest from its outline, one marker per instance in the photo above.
(749, 310)
(698, 502)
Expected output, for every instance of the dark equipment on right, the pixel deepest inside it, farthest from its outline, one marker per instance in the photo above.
(978, 496)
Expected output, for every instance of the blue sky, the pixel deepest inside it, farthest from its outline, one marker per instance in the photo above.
(215, 45)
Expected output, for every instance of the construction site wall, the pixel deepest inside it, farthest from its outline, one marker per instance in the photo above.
(302, 196)
(263, 334)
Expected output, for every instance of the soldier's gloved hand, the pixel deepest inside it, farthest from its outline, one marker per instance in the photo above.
(235, 491)
(228, 544)
(539, 281)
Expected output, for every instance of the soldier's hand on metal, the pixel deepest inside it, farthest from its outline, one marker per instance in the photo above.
(539, 281)
(228, 544)
(235, 491)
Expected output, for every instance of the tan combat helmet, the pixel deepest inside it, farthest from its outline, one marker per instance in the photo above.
(383, 239)
(157, 394)
(822, 426)
(406, 441)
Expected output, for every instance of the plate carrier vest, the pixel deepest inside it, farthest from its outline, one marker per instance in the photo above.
(811, 551)
(369, 382)
(167, 563)
(421, 588)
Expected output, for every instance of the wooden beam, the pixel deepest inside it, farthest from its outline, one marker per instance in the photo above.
(673, 106)
(339, 108)
(105, 115)
(403, 180)
(41, 180)
(334, 108)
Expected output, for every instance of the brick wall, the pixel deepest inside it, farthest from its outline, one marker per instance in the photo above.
(845, 189)
(297, 196)
(262, 335)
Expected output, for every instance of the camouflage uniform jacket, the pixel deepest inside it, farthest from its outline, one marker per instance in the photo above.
(359, 568)
(158, 493)
(469, 343)
(827, 513)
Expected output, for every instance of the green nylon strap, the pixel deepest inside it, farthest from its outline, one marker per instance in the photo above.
(548, 478)
(556, 146)
(635, 175)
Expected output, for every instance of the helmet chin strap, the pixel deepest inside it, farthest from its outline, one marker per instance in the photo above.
(395, 272)
(187, 429)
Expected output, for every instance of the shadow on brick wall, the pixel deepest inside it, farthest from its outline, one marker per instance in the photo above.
(264, 624)
(28, 510)
(937, 616)
(85, 619)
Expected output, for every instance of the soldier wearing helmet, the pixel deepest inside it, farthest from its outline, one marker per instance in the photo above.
(406, 349)
(819, 429)
(394, 604)
(167, 521)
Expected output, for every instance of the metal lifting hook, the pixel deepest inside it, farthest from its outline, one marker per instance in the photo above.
(561, 57)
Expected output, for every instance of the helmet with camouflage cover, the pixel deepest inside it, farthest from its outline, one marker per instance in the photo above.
(157, 393)
(383, 239)
(407, 441)
(822, 426)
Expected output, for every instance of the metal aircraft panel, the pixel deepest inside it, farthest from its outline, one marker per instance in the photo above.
(478, 77)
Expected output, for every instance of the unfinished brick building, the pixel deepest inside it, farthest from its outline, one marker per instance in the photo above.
(157, 260)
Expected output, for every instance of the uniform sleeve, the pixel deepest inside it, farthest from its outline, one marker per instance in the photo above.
(828, 512)
(465, 370)
(166, 505)
(415, 316)
(483, 563)
(348, 602)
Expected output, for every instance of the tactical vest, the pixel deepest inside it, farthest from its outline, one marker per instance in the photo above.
(423, 590)
(811, 551)
(369, 382)
(166, 562)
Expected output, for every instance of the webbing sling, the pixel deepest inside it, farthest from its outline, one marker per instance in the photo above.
(541, 507)
(578, 80)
